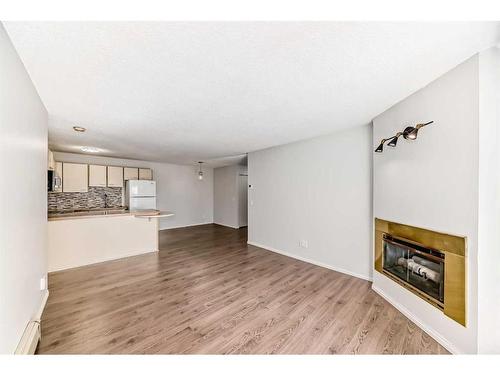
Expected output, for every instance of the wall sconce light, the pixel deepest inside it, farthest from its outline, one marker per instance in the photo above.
(394, 139)
(409, 133)
(380, 147)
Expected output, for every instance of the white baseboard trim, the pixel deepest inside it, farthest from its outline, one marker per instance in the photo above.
(32, 333)
(316, 263)
(436, 336)
(225, 225)
(39, 313)
(187, 225)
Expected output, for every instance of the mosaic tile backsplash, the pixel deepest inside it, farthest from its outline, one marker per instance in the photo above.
(94, 198)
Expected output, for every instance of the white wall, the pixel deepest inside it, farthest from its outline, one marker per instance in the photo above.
(229, 196)
(23, 194)
(489, 203)
(433, 183)
(226, 196)
(178, 188)
(317, 190)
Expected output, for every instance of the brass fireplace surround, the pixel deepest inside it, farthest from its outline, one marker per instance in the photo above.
(453, 247)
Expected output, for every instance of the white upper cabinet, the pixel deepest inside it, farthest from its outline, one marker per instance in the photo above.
(58, 180)
(130, 173)
(51, 163)
(145, 174)
(75, 178)
(97, 175)
(115, 176)
(78, 177)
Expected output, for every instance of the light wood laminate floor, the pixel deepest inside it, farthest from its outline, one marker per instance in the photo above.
(207, 291)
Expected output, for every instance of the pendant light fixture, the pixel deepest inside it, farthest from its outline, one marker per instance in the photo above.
(200, 172)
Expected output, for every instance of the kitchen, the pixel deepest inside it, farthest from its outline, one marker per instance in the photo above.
(99, 212)
(194, 208)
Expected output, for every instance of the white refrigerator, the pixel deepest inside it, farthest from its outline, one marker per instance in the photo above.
(140, 195)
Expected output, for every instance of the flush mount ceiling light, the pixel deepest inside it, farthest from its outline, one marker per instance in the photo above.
(409, 133)
(79, 129)
(90, 149)
(200, 172)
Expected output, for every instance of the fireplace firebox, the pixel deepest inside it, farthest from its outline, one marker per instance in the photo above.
(415, 265)
(430, 264)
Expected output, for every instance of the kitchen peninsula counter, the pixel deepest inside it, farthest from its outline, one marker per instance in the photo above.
(101, 212)
(85, 237)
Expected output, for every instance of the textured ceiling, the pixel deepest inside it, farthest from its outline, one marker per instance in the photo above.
(182, 92)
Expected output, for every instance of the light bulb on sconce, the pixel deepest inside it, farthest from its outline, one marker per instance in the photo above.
(411, 132)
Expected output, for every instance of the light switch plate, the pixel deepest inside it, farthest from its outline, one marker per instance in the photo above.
(43, 283)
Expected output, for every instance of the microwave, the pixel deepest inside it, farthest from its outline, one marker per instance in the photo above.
(53, 181)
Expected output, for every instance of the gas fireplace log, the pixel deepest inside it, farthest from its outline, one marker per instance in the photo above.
(426, 263)
(419, 270)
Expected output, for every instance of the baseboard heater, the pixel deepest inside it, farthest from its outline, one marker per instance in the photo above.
(30, 339)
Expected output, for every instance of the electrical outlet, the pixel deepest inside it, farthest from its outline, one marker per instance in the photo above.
(303, 243)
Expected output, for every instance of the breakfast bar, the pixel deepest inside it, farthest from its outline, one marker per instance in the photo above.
(82, 237)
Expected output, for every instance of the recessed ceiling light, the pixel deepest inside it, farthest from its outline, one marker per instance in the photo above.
(79, 129)
(90, 149)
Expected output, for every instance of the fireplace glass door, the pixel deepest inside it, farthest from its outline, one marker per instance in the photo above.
(418, 266)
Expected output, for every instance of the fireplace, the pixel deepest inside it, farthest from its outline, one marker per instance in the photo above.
(430, 264)
(415, 265)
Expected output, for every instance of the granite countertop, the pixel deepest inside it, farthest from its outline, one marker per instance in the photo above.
(98, 212)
